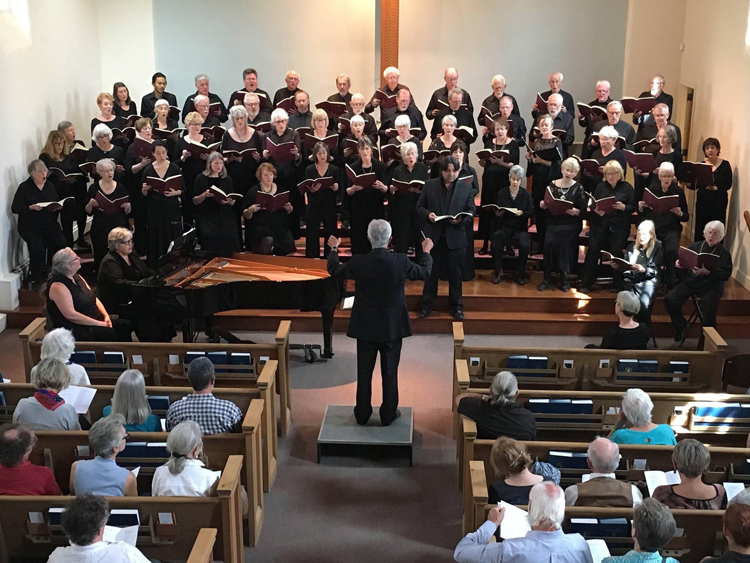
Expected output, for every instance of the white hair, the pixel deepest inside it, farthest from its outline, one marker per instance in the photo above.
(546, 506)
(408, 147)
(402, 119)
(200, 77)
(504, 389)
(279, 114)
(498, 78)
(104, 162)
(161, 102)
(560, 74)
(237, 111)
(666, 167)
(604, 83)
(379, 233)
(614, 104)
(358, 119)
(181, 442)
(391, 70)
(58, 343)
(100, 131)
(450, 117)
(637, 407)
(200, 98)
(557, 97)
(716, 225)
(604, 455)
(609, 132)
(358, 96)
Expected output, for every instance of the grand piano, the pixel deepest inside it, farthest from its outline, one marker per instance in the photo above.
(192, 285)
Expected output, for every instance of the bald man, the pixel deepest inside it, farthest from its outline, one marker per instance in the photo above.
(656, 91)
(441, 95)
(292, 85)
(555, 87)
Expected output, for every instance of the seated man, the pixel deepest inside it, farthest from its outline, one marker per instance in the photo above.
(701, 282)
(603, 489)
(653, 527)
(546, 514)
(214, 416)
(83, 522)
(17, 474)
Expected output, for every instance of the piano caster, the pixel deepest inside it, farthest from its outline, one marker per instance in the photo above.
(311, 355)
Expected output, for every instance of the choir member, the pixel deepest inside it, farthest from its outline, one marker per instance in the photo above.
(464, 117)
(712, 200)
(391, 87)
(103, 222)
(303, 116)
(661, 97)
(292, 82)
(250, 80)
(562, 121)
(443, 196)
(69, 132)
(107, 115)
(647, 254)
(602, 99)
(103, 148)
(701, 282)
(506, 109)
(365, 204)
(357, 132)
(668, 225)
(609, 231)
(555, 87)
(491, 104)
(241, 169)
(495, 176)
(214, 216)
(403, 135)
(561, 242)
(161, 119)
(606, 150)
(133, 170)
(403, 107)
(402, 206)
(512, 227)
(320, 130)
(469, 175)
(163, 214)
(343, 84)
(202, 88)
(124, 106)
(434, 107)
(321, 202)
(36, 225)
(56, 154)
(542, 171)
(667, 136)
(623, 128)
(148, 102)
(442, 142)
(267, 232)
(660, 115)
(202, 105)
(357, 104)
(255, 116)
(190, 164)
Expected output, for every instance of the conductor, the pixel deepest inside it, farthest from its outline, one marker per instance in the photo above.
(379, 319)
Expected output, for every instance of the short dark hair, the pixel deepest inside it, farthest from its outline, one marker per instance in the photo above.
(200, 373)
(712, 142)
(159, 143)
(458, 145)
(12, 450)
(654, 525)
(737, 523)
(247, 71)
(157, 75)
(364, 142)
(84, 517)
(447, 161)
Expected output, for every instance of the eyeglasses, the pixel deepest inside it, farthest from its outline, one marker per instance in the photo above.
(126, 436)
(129, 241)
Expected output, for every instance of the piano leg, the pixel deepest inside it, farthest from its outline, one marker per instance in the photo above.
(327, 333)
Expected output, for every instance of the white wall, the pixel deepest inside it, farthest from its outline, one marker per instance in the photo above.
(716, 62)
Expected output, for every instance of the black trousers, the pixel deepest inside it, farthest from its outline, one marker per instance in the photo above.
(405, 225)
(319, 212)
(671, 243)
(43, 242)
(602, 238)
(676, 298)
(520, 239)
(452, 260)
(390, 355)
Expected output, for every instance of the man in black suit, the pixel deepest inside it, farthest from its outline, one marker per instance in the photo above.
(379, 318)
(446, 196)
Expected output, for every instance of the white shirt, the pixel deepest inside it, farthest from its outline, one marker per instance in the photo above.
(571, 493)
(78, 375)
(193, 481)
(99, 552)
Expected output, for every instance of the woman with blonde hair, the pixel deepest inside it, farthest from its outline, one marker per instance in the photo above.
(517, 471)
(214, 214)
(190, 164)
(647, 255)
(130, 400)
(46, 409)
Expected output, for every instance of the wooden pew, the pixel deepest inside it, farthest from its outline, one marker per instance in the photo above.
(235, 445)
(585, 374)
(22, 540)
(162, 363)
(203, 548)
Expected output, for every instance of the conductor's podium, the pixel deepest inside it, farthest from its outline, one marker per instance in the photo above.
(341, 436)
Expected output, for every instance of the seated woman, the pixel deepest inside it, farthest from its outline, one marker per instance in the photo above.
(101, 475)
(402, 206)
(517, 471)
(267, 232)
(691, 459)
(36, 225)
(73, 305)
(647, 254)
(634, 425)
(130, 401)
(653, 527)
(107, 116)
(184, 475)
(498, 414)
(214, 215)
(104, 219)
(736, 522)
(60, 344)
(47, 410)
(629, 333)
(18, 476)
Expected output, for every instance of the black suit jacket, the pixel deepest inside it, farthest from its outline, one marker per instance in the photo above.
(432, 200)
(379, 313)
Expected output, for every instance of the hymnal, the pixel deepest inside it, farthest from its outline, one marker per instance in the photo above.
(302, 131)
(453, 217)
(141, 148)
(541, 104)
(363, 180)
(404, 186)
(643, 161)
(487, 154)
(392, 132)
(281, 152)
(79, 153)
(249, 152)
(110, 206)
(435, 154)
(325, 182)
(214, 108)
(660, 204)
(606, 204)
(560, 133)
(287, 104)
(446, 105)
(174, 113)
(690, 259)
(643, 105)
(216, 132)
(646, 145)
(390, 152)
(221, 196)
(167, 134)
(88, 167)
(591, 167)
(239, 96)
(54, 205)
(554, 205)
(330, 141)
(617, 264)
(332, 108)
(58, 173)
(592, 113)
(164, 185)
(387, 101)
(263, 126)
(464, 133)
(551, 154)
(131, 119)
(512, 210)
(127, 134)
(197, 149)
(272, 202)
(698, 174)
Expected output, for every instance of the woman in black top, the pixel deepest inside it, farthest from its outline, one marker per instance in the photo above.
(736, 525)
(123, 105)
(366, 204)
(403, 135)
(214, 215)
(36, 225)
(647, 253)
(629, 334)
(107, 115)
(190, 165)
(517, 471)
(267, 232)
(542, 172)
(162, 125)
(609, 231)
(321, 202)
(135, 163)
(495, 176)
(712, 200)
(443, 142)
(402, 206)
(105, 219)
(103, 148)
(607, 151)
(162, 209)
(667, 137)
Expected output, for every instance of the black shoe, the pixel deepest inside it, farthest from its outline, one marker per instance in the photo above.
(395, 416)
(565, 286)
(544, 286)
(584, 289)
(424, 313)
(458, 314)
(681, 334)
(498, 277)
(521, 281)
(483, 251)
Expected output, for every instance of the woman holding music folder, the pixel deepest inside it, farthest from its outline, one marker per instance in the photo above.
(495, 175)
(442, 142)
(124, 107)
(320, 133)
(137, 157)
(107, 115)
(647, 256)
(607, 151)
(214, 211)
(266, 229)
(190, 154)
(163, 215)
(103, 148)
(563, 225)
(712, 200)
(512, 227)
(321, 198)
(614, 202)
(349, 142)
(667, 137)
(544, 158)
(366, 196)
(109, 204)
(162, 123)
(403, 135)
(402, 205)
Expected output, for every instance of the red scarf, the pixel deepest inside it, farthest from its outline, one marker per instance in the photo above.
(49, 399)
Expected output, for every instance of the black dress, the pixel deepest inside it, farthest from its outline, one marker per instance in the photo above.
(618, 338)
(365, 205)
(402, 210)
(137, 201)
(561, 242)
(162, 215)
(397, 161)
(102, 223)
(125, 113)
(73, 210)
(268, 224)
(242, 172)
(190, 170)
(117, 123)
(116, 154)
(541, 176)
(644, 284)
(217, 229)
(321, 208)
(494, 178)
(286, 176)
(712, 205)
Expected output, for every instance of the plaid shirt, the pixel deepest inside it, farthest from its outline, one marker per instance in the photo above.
(214, 416)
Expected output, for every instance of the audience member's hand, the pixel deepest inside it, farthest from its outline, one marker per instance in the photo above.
(496, 515)
(427, 245)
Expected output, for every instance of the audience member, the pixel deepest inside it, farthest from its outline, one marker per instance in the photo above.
(603, 488)
(18, 476)
(653, 527)
(101, 475)
(629, 334)
(743, 497)
(47, 410)
(737, 532)
(214, 416)
(60, 343)
(635, 426)
(518, 473)
(131, 401)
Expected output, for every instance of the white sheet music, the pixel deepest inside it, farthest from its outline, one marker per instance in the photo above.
(598, 549)
(78, 397)
(733, 489)
(515, 522)
(128, 535)
(657, 478)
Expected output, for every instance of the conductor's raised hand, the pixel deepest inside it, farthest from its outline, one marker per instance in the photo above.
(427, 245)
(496, 515)
(334, 242)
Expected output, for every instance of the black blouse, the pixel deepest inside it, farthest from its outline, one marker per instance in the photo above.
(117, 123)
(243, 172)
(28, 194)
(652, 264)
(125, 113)
(115, 278)
(285, 171)
(323, 196)
(84, 301)
(616, 219)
